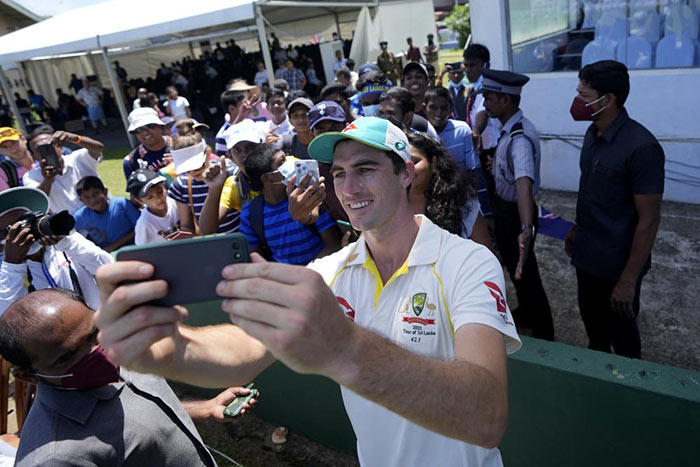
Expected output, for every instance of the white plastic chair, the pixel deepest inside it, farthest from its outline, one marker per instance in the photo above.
(680, 20)
(645, 23)
(611, 28)
(616, 8)
(675, 51)
(634, 52)
(592, 12)
(596, 51)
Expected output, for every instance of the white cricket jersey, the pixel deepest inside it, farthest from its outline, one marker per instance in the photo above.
(445, 283)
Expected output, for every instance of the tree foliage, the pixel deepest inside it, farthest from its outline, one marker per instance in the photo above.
(459, 22)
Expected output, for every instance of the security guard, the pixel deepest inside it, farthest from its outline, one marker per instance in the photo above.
(516, 169)
(388, 64)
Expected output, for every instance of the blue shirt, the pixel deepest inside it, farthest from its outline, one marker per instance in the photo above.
(294, 78)
(104, 228)
(457, 138)
(289, 241)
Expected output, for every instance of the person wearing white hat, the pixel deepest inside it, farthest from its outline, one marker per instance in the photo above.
(154, 151)
(33, 260)
(228, 193)
(191, 158)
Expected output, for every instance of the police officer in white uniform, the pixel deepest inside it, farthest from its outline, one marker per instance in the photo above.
(516, 170)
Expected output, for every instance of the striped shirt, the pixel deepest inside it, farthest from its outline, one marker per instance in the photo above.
(178, 192)
(220, 145)
(289, 241)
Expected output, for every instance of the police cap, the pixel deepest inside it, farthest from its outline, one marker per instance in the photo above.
(504, 82)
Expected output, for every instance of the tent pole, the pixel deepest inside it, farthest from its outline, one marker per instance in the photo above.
(260, 23)
(116, 87)
(11, 101)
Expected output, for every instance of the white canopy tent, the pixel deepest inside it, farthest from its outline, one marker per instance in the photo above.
(121, 26)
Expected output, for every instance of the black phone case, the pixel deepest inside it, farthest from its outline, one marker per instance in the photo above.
(191, 267)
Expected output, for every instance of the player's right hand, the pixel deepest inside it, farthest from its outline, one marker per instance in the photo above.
(139, 336)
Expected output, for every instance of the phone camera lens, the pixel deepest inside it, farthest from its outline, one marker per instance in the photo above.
(237, 256)
(236, 246)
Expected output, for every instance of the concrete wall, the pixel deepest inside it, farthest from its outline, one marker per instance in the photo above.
(665, 101)
(569, 406)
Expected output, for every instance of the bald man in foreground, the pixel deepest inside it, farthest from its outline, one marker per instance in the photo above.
(87, 410)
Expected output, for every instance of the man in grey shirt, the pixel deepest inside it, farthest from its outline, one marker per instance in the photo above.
(87, 412)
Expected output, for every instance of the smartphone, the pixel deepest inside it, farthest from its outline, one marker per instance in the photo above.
(304, 167)
(346, 227)
(191, 267)
(233, 410)
(48, 152)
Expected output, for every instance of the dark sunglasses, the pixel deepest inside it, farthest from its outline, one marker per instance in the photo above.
(150, 126)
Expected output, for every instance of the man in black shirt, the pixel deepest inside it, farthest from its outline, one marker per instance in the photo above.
(618, 209)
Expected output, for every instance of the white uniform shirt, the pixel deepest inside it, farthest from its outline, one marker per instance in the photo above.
(62, 195)
(153, 229)
(82, 255)
(446, 282)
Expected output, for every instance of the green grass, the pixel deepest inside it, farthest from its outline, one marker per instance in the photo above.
(111, 171)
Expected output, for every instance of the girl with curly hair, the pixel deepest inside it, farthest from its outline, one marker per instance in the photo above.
(446, 195)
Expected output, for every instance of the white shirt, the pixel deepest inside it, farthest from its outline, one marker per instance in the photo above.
(136, 104)
(339, 64)
(284, 129)
(91, 96)
(83, 256)
(62, 195)
(177, 107)
(489, 137)
(153, 229)
(446, 282)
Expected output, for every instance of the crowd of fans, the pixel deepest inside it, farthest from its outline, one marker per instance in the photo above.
(180, 187)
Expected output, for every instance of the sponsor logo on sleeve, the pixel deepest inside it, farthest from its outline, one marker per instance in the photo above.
(501, 306)
(347, 309)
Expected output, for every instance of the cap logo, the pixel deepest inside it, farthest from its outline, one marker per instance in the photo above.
(322, 109)
(141, 177)
(400, 145)
(350, 126)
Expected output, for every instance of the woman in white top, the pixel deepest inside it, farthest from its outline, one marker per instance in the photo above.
(177, 106)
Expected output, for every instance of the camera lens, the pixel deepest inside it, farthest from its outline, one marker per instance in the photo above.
(235, 246)
(56, 224)
(237, 256)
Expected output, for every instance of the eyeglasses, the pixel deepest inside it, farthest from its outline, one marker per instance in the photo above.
(149, 127)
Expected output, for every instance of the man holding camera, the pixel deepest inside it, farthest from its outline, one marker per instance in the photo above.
(57, 174)
(34, 259)
(406, 313)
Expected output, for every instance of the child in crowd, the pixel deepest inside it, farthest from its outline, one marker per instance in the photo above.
(158, 221)
(266, 220)
(108, 222)
(456, 136)
(192, 157)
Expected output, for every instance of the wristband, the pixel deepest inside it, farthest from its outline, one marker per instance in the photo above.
(80, 140)
(530, 227)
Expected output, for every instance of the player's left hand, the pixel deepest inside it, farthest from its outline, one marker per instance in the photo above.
(622, 298)
(292, 311)
(216, 406)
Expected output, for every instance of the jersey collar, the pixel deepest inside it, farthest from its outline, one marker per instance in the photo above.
(425, 249)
